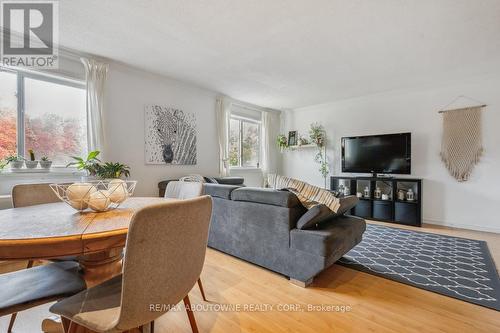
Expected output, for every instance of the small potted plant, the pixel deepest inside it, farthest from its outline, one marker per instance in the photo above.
(15, 162)
(110, 170)
(90, 165)
(31, 163)
(282, 142)
(3, 163)
(45, 163)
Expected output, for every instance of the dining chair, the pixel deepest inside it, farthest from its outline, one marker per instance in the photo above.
(24, 195)
(27, 288)
(186, 190)
(163, 259)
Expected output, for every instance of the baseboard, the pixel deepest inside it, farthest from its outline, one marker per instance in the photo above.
(462, 226)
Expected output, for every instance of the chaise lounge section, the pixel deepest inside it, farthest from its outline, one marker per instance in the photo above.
(260, 226)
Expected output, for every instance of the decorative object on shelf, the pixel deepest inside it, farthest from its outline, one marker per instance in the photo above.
(401, 195)
(45, 163)
(347, 190)
(32, 163)
(282, 142)
(170, 136)
(461, 147)
(359, 194)
(378, 193)
(410, 195)
(98, 196)
(385, 197)
(292, 138)
(303, 141)
(15, 162)
(366, 192)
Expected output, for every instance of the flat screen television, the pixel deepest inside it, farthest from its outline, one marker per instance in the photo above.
(386, 153)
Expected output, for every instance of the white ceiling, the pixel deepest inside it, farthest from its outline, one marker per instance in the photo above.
(291, 53)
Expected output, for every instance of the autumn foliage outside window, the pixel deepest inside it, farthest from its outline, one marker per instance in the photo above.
(54, 118)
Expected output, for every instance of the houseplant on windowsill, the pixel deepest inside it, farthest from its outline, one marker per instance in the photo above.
(45, 163)
(15, 162)
(31, 163)
(90, 164)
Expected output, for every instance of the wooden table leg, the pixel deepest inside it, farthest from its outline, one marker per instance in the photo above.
(101, 266)
(97, 268)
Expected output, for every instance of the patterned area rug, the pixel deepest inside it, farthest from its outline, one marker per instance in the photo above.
(456, 267)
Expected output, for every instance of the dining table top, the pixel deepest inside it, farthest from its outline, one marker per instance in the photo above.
(55, 229)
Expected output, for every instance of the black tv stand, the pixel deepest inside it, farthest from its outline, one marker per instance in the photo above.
(387, 209)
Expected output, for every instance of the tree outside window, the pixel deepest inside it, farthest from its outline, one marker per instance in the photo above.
(244, 143)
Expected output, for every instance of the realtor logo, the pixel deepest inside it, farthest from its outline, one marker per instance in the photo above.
(30, 31)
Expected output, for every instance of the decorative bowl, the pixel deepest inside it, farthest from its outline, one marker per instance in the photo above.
(99, 196)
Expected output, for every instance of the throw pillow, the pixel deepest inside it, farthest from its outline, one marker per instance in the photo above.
(313, 216)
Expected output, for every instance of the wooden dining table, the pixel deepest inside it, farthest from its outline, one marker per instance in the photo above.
(56, 230)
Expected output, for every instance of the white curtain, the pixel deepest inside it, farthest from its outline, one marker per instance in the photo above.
(96, 73)
(223, 112)
(266, 142)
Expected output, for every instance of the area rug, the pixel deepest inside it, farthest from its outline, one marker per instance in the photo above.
(456, 267)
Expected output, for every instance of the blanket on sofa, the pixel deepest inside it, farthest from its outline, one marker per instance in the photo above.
(308, 195)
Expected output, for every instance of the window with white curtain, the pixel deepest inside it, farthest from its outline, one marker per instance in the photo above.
(44, 113)
(244, 138)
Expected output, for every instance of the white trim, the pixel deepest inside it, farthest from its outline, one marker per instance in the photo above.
(461, 226)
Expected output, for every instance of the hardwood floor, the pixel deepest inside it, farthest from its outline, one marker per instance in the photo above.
(373, 304)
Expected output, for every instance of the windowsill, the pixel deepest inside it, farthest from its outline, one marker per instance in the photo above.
(253, 169)
(55, 171)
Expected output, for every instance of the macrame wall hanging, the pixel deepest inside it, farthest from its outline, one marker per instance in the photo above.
(462, 147)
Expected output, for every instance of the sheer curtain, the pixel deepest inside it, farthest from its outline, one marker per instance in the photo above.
(96, 73)
(223, 112)
(266, 121)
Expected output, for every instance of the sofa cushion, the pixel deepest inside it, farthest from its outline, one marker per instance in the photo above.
(267, 196)
(313, 216)
(230, 180)
(219, 190)
(337, 236)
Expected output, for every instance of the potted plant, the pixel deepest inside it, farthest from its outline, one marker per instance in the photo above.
(45, 163)
(31, 163)
(317, 134)
(111, 170)
(90, 164)
(3, 163)
(282, 141)
(15, 162)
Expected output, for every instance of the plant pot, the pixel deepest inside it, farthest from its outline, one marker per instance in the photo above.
(16, 164)
(31, 164)
(45, 164)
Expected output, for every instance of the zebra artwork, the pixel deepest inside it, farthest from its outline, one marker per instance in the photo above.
(170, 136)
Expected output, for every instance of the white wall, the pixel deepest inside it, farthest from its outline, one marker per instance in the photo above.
(472, 205)
(127, 92)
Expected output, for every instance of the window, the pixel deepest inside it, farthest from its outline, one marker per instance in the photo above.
(244, 142)
(48, 116)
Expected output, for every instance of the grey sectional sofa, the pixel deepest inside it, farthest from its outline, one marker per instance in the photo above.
(260, 226)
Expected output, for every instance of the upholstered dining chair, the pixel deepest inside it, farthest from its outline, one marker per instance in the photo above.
(186, 190)
(163, 259)
(24, 195)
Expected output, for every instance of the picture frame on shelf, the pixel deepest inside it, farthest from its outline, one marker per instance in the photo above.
(292, 138)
